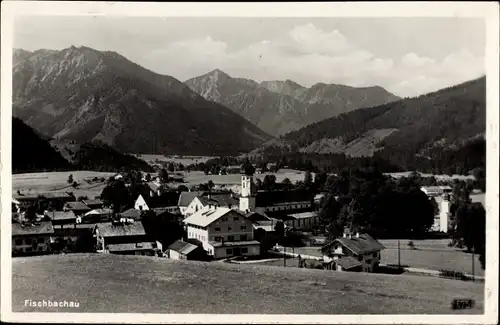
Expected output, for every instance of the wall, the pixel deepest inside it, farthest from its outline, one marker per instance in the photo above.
(196, 232)
(444, 215)
(288, 206)
(252, 250)
(140, 204)
(193, 207)
(303, 223)
(231, 225)
(175, 255)
(24, 243)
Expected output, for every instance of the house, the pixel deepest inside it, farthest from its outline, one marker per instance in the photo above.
(223, 232)
(442, 220)
(30, 238)
(56, 199)
(181, 250)
(61, 218)
(165, 200)
(185, 199)
(433, 191)
(72, 233)
(353, 252)
(223, 200)
(77, 207)
(123, 237)
(94, 204)
(302, 220)
(97, 215)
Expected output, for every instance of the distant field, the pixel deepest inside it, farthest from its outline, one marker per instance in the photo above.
(139, 284)
(33, 183)
(431, 254)
(185, 160)
(194, 178)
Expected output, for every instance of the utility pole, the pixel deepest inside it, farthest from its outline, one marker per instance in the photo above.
(399, 256)
(284, 246)
(473, 248)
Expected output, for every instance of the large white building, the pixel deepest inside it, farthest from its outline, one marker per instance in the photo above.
(223, 232)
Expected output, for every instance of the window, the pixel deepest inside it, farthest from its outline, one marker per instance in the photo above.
(218, 238)
(375, 254)
(244, 250)
(19, 241)
(360, 258)
(243, 237)
(230, 238)
(40, 240)
(243, 228)
(229, 251)
(27, 241)
(229, 229)
(217, 229)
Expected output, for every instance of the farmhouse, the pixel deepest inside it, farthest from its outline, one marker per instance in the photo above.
(32, 237)
(97, 215)
(122, 238)
(303, 220)
(56, 199)
(223, 232)
(358, 252)
(73, 232)
(433, 191)
(223, 200)
(181, 250)
(61, 218)
(77, 207)
(165, 200)
(94, 204)
(185, 199)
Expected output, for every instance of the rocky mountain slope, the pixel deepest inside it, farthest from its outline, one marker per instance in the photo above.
(278, 107)
(83, 95)
(421, 127)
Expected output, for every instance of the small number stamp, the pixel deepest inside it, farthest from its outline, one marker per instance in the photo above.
(462, 304)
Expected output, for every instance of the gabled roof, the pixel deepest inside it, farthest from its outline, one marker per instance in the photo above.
(100, 211)
(131, 213)
(362, 245)
(127, 247)
(185, 198)
(76, 206)
(61, 215)
(206, 216)
(40, 228)
(348, 262)
(182, 247)
(270, 198)
(220, 199)
(92, 202)
(166, 199)
(257, 217)
(109, 229)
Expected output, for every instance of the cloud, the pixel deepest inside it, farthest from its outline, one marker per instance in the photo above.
(307, 55)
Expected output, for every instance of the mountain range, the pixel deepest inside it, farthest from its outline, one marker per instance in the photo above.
(411, 128)
(84, 95)
(278, 107)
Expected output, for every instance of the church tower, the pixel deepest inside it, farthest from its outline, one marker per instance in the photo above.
(248, 190)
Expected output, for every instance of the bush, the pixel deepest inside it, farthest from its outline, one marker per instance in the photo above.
(451, 274)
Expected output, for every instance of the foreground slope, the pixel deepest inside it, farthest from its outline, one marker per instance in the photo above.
(82, 94)
(281, 106)
(139, 284)
(445, 119)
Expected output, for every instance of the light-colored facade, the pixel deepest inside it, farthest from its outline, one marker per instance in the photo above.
(223, 232)
(193, 207)
(140, 204)
(248, 195)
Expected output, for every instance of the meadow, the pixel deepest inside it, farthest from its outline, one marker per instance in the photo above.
(432, 254)
(140, 284)
(198, 177)
(34, 183)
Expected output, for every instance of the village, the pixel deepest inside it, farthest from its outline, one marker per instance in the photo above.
(237, 226)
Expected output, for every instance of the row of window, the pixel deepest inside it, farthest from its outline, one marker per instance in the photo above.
(29, 241)
(231, 238)
(243, 250)
(288, 207)
(197, 236)
(229, 229)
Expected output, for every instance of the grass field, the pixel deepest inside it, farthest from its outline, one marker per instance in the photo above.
(33, 183)
(139, 284)
(432, 254)
(194, 178)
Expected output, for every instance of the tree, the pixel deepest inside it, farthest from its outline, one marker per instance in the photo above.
(138, 177)
(279, 229)
(320, 181)
(308, 180)
(148, 177)
(480, 176)
(269, 182)
(182, 188)
(258, 183)
(75, 184)
(70, 179)
(329, 214)
(163, 175)
(210, 185)
(171, 167)
(287, 184)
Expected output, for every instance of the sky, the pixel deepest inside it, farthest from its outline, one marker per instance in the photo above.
(406, 56)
